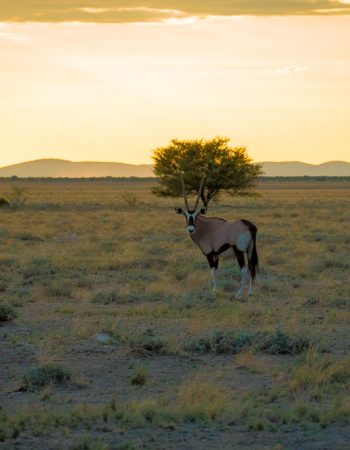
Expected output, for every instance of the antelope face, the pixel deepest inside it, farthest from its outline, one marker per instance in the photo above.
(191, 217)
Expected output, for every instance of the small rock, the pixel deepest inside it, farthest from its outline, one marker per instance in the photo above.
(102, 337)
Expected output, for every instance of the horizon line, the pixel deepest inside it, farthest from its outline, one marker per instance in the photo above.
(150, 164)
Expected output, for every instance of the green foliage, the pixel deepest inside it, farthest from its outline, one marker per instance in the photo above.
(41, 376)
(7, 313)
(226, 168)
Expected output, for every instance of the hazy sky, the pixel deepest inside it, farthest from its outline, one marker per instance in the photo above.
(112, 80)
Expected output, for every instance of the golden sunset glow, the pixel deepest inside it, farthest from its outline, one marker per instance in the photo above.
(79, 90)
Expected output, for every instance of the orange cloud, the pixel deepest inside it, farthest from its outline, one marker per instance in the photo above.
(116, 11)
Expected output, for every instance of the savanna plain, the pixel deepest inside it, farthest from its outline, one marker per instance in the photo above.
(110, 338)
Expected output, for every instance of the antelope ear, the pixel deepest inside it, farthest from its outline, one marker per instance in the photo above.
(178, 210)
(203, 211)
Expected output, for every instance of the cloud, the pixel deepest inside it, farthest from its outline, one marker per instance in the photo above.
(119, 11)
(287, 70)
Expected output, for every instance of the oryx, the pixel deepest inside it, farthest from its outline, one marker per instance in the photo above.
(214, 236)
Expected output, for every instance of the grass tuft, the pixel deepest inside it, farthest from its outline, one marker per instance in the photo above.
(138, 378)
(201, 401)
(106, 297)
(321, 371)
(59, 288)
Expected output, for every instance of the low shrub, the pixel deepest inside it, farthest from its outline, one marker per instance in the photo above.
(272, 343)
(3, 202)
(148, 343)
(41, 376)
(26, 236)
(106, 297)
(138, 378)
(220, 342)
(7, 314)
(17, 197)
(279, 343)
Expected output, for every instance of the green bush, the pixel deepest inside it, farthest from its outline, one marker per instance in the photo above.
(279, 343)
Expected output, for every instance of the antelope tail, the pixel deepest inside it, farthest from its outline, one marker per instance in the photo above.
(253, 260)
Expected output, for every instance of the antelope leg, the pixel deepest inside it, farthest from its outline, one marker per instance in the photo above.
(213, 275)
(250, 291)
(213, 261)
(244, 276)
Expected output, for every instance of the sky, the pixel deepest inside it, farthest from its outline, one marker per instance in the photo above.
(111, 80)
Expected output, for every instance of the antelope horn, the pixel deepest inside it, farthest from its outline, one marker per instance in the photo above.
(199, 192)
(184, 192)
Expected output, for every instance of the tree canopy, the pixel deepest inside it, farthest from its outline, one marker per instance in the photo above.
(226, 169)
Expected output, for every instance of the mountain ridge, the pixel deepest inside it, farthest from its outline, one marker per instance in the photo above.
(62, 168)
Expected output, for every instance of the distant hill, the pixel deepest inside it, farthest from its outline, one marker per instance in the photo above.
(59, 168)
(299, 169)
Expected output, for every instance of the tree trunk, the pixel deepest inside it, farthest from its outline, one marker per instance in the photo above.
(204, 199)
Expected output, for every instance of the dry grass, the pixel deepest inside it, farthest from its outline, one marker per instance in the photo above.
(82, 258)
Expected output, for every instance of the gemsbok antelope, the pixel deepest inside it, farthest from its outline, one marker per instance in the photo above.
(214, 236)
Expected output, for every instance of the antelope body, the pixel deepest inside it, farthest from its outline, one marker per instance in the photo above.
(214, 236)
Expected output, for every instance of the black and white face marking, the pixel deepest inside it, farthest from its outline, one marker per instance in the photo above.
(191, 217)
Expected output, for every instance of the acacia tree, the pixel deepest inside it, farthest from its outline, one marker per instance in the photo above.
(226, 169)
